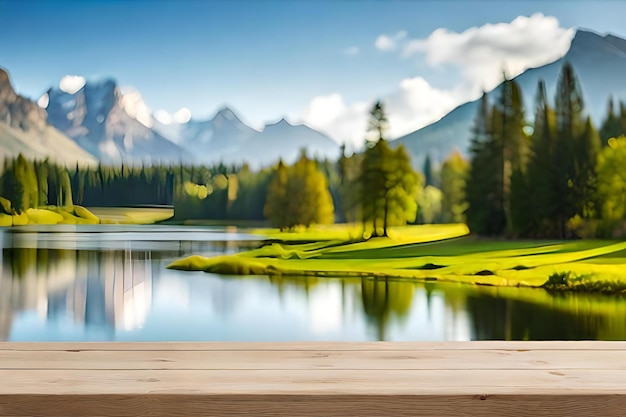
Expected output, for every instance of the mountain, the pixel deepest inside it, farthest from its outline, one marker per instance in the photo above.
(226, 138)
(24, 129)
(600, 65)
(285, 141)
(109, 124)
(210, 140)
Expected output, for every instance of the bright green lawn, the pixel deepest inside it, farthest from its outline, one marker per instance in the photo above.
(125, 215)
(50, 215)
(430, 252)
(80, 215)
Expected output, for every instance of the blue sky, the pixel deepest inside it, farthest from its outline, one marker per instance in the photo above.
(312, 60)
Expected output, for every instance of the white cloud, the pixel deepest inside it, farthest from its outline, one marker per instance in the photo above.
(71, 83)
(385, 43)
(182, 116)
(389, 43)
(353, 50)
(44, 101)
(413, 105)
(163, 117)
(135, 107)
(416, 104)
(482, 53)
(330, 114)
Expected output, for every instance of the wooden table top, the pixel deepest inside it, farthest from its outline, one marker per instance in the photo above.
(313, 379)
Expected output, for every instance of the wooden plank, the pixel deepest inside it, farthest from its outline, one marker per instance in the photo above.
(316, 346)
(313, 382)
(310, 359)
(371, 405)
(313, 379)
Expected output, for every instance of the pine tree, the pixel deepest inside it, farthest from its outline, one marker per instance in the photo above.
(576, 152)
(25, 174)
(622, 116)
(541, 205)
(428, 171)
(378, 124)
(12, 187)
(277, 199)
(588, 147)
(41, 171)
(454, 173)
(485, 215)
(570, 126)
(611, 126)
(612, 180)
(349, 186)
(388, 184)
(511, 144)
(64, 197)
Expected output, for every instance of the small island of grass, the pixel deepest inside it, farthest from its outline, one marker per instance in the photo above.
(427, 253)
(75, 214)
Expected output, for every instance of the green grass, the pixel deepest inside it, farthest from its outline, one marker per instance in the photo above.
(125, 215)
(81, 215)
(50, 215)
(312, 234)
(432, 252)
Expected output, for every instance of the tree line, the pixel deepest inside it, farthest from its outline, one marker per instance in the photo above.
(377, 187)
(557, 178)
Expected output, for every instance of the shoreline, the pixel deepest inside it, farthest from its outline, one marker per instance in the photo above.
(430, 253)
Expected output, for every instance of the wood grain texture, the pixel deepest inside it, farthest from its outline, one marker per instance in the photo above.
(297, 346)
(372, 405)
(311, 359)
(313, 379)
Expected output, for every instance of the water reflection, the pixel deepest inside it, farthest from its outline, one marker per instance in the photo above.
(110, 285)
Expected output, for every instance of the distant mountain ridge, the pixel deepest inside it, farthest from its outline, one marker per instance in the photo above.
(600, 65)
(98, 120)
(226, 138)
(286, 141)
(112, 125)
(117, 127)
(24, 129)
(210, 140)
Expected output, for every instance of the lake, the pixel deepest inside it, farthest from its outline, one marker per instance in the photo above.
(110, 283)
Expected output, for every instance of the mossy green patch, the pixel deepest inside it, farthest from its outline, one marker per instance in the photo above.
(80, 215)
(426, 253)
(20, 219)
(226, 265)
(70, 216)
(83, 213)
(6, 220)
(126, 215)
(42, 216)
(5, 206)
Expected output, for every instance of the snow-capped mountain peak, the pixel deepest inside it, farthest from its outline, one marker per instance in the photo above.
(133, 104)
(110, 122)
(225, 113)
(24, 130)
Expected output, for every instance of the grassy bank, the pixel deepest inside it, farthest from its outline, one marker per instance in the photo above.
(50, 215)
(126, 215)
(428, 253)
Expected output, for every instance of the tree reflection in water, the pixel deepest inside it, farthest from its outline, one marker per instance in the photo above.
(114, 289)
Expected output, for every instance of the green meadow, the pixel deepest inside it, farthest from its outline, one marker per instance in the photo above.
(75, 214)
(445, 253)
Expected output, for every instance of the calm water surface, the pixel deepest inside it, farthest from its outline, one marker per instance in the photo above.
(85, 283)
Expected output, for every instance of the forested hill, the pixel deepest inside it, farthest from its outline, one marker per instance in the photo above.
(599, 61)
